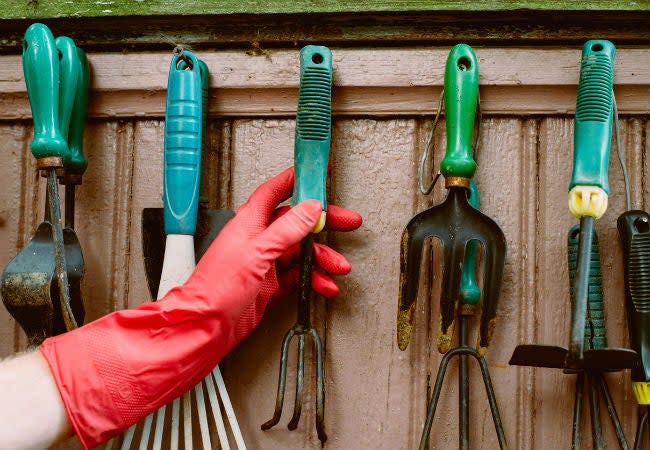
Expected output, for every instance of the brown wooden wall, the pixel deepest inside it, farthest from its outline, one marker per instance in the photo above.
(376, 395)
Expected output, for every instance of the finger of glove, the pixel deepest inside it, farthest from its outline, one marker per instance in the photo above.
(269, 195)
(325, 258)
(337, 218)
(321, 283)
(289, 229)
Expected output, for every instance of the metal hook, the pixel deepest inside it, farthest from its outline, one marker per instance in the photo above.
(431, 144)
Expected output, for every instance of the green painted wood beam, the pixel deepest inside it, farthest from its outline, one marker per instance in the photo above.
(47, 9)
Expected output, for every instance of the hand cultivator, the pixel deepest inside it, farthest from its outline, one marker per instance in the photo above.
(312, 144)
(587, 201)
(459, 226)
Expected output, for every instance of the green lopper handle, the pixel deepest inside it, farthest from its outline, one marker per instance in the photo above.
(313, 127)
(593, 130)
(461, 96)
(41, 69)
(470, 293)
(75, 160)
(69, 68)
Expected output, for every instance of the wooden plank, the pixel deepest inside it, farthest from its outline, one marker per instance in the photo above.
(93, 8)
(385, 82)
(261, 149)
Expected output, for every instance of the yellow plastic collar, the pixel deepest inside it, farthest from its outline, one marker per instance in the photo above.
(587, 201)
(321, 222)
(642, 392)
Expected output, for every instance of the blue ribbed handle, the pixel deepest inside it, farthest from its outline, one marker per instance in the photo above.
(182, 164)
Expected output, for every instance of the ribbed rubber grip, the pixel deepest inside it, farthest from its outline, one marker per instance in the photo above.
(182, 154)
(313, 125)
(595, 328)
(634, 233)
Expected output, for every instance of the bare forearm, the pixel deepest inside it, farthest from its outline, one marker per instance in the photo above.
(32, 415)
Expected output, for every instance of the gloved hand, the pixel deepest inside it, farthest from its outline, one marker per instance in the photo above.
(113, 372)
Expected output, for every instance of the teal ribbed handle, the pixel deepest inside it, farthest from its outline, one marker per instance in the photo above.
(461, 97)
(182, 155)
(41, 69)
(313, 125)
(75, 161)
(595, 330)
(470, 293)
(593, 123)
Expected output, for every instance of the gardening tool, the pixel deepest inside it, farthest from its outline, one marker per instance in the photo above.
(311, 154)
(74, 66)
(587, 201)
(183, 141)
(35, 283)
(459, 226)
(634, 233)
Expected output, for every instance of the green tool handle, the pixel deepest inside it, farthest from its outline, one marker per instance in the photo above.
(75, 161)
(205, 80)
(595, 333)
(69, 68)
(470, 293)
(313, 127)
(634, 234)
(593, 122)
(41, 69)
(461, 96)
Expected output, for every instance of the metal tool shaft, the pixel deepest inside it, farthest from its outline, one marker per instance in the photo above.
(463, 388)
(304, 285)
(61, 274)
(69, 206)
(581, 289)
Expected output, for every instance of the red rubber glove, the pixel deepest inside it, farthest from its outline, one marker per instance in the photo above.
(113, 372)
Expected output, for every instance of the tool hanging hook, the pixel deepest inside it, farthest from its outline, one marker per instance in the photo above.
(431, 143)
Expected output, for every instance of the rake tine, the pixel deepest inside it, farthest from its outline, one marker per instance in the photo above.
(596, 428)
(159, 430)
(187, 421)
(492, 400)
(494, 255)
(227, 406)
(300, 384)
(611, 410)
(643, 420)
(176, 424)
(279, 400)
(577, 410)
(203, 417)
(453, 255)
(128, 437)
(433, 402)
(320, 387)
(216, 413)
(146, 431)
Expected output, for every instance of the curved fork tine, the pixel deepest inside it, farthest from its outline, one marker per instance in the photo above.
(281, 382)
(410, 261)
(494, 251)
(320, 386)
(300, 384)
(453, 256)
(492, 400)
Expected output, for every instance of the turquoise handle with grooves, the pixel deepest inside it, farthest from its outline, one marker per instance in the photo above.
(75, 161)
(470, 293)
(461, 97)
(182, 154)
(593, 123)
(313, 125)
(41, 69)
(69, 67)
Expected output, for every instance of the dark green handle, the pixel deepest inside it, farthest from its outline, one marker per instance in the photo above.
(461, 96)
(470, 293)
(593, 123)
(205, 80)
(634, 233)
(69, 68)
(41, 69)
(313, 126)
(75, 161)
(595, 330)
